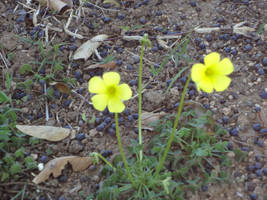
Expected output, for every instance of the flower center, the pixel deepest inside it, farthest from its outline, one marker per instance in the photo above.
(111, 90)
(208, 72)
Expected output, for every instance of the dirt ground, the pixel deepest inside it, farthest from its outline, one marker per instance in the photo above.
(241, 106)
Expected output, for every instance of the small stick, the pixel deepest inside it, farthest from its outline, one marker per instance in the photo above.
(46, 105)
(4, 60)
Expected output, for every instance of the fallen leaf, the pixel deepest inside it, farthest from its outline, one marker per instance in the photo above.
(56, 166)
(110, 65)
(58, 5)
(148, 118)
(49, 133)
(62, 87)
(89, 47)
(112, 2)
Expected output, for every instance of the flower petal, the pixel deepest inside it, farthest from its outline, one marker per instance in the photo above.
(225, 66)
(111, 78)
(198, 72)
(221, 83)
(205, 85)
(124, 91)
(115, 105)
(100, 101)
(212, 59)
(96, 85)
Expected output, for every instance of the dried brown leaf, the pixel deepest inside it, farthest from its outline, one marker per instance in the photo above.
(49, 133)
(56, 166)
(149, 117)
(89, 47)
(110, 65)
(58, 5)
(62, 87)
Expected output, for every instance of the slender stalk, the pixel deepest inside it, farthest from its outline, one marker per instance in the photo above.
(173, 129)
(105, 160)
(140, 100)
(122, 151)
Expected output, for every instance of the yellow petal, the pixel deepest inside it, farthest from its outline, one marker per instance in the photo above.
(124, 91)
(205, 85)
(111, 78)
(100, 101)
(221, 83)
(115, 105)
(96, 85)
(225, 66)
(198, 72)
(212, 59)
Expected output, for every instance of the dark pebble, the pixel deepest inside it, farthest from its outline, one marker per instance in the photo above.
(142, 20)
(257, 127)
(227, 49)
(100, 127)
(204, 188)
(61, 198)
(129, 67)
(193, 3)
(130, 118)
(111, 131)
(258, 165)
(263, 131)
(135, 115)
(244, 149)
(119, 62)
(80, 136)
(44, 159)
(265, 171)
(133, 82)
(253, 196)
(264, 61)
(67, 102)
(107, 120)
(121, 16)
(248, 47)
(258, 172)
(251, 168)
(107, 153)
(106, 19)
(234, 52)
(263, 94)
(62, 179)
(234, 132)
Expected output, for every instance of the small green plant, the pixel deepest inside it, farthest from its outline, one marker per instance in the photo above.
(180, 152)
(54, 68)
(14, 160)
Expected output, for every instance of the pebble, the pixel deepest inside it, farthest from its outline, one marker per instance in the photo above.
(75, 147)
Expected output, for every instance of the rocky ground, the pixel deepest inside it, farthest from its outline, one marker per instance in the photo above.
(242, 109)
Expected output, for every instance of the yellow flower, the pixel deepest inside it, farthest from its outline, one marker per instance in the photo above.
(109, 92)
(213, 73)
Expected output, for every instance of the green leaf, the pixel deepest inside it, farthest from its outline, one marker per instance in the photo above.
(4, 135)
(9, 159)
(15, 168)
(30, 163)
(8, 81)
(175, 78)
(4, 176)
(19, 153)
(25, 68)
(4, 98)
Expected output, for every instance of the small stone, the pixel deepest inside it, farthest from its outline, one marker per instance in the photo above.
(75, 147)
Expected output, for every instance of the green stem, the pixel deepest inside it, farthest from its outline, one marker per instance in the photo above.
(121, 150)
(173, 129)
(105, 160)
(140, 99)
